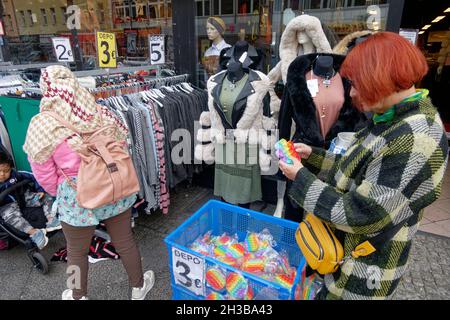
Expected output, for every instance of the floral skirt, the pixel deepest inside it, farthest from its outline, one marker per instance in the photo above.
(72, 214)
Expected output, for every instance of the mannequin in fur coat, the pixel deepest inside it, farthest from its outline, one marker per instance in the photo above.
(248, 122)
(303, 35)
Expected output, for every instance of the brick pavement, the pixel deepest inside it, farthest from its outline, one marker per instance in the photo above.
(427, 276)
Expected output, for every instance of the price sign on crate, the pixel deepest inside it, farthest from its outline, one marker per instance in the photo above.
(157, 51)
(63, 49)
(188, 271)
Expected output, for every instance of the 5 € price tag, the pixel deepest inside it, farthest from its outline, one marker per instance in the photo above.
(106, 49)
(188, 271)
(157, 50)
(63, 49)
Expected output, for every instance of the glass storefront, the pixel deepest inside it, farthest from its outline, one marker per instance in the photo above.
(262, 22)
(30, 25)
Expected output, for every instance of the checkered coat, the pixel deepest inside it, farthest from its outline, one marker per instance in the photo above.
(391, 173)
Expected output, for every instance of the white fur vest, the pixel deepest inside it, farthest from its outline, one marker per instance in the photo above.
(255, 114)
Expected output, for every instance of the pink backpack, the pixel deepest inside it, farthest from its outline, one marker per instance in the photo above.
(106, 173)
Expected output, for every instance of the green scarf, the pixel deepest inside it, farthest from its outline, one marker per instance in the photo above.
(390, 113)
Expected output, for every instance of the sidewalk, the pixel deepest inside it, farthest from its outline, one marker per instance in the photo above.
(428, 275)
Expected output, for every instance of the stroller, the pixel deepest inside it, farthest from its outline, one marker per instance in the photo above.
(35, 216)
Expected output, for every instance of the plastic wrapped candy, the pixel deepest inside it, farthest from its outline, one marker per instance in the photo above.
(284, 280)
(237, 285)
(266, 238)
(220, 251)
(224, 240)
(235, 263)
(250, 294)
(215, 296)
(283, 262)
(215, 278)
(253, 265)
(252, 242)
(236, 251)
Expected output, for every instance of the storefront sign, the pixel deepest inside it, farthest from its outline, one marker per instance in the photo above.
(188, 271)
(410, 35)
(106, 49)
(157, 49)
(63, 49)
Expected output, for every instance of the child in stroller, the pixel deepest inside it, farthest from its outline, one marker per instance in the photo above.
(33, 197)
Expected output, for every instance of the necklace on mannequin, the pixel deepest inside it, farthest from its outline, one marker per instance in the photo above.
(326, 80)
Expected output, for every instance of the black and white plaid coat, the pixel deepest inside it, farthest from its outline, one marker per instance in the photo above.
(391, 173)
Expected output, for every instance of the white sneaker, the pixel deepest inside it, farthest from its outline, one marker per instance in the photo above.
(149, 281)
(68, 295)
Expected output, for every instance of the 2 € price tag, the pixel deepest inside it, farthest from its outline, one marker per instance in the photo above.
(106, 48)
(63, 49)
(188, 271)
(157, 50)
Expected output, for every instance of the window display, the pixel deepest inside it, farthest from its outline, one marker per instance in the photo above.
(262, 22)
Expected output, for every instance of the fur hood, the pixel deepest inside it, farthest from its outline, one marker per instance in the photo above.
(348, 41)
(297, 104)
(290, 47)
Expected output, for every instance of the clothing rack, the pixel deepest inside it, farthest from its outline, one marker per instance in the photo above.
(147, 84)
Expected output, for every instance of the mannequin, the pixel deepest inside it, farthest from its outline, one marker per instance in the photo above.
(317, 99)
(303, 35)
(215, 29)
(255, 56)
(234, 130)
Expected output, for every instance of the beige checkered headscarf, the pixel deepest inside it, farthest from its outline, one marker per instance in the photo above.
(62, 94)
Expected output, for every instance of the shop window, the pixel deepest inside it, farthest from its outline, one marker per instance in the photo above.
(244, 6)
(199, 4)
(44, 17)
(315, 4)
(227, 6)
(53, 15)
(215, 7)
(360, 2)
(207, 11)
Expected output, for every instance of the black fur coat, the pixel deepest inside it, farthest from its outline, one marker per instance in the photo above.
(298, 105)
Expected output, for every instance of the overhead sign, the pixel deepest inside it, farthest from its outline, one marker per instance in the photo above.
(63, 49)
(410, 35)
(188, 271)
(106, 49)
(157, 49)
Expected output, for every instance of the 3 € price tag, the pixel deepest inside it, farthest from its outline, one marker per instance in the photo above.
(188, 271)
(106, 49)
(157, 49)
(63, 49)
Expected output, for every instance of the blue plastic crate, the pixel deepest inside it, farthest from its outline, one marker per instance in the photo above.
(220, 217)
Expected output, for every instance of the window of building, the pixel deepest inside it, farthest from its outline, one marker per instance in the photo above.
(227, 6)
(244, 6)
(63, 14)
(30, 17)
(23, 22)
(53, 15)
(199, 4)
(44, 17)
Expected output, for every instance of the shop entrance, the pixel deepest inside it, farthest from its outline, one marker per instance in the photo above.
(432, 21)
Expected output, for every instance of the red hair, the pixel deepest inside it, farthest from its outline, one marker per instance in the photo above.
(383, 64)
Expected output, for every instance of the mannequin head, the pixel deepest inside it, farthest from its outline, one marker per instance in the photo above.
(306, 44)
(215, 28)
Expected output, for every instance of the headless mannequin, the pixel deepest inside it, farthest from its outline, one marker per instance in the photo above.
(236, 72)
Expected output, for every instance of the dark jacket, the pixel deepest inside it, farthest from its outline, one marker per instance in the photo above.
(18, 176)
(298, 105)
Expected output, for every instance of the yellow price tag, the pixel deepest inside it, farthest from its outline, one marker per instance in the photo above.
(106, 48)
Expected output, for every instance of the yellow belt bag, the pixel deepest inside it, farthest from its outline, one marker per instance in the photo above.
(320, 247)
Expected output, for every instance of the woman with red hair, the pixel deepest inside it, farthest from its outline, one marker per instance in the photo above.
(393, 169)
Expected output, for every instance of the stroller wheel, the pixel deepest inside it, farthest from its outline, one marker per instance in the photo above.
(40, 263)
